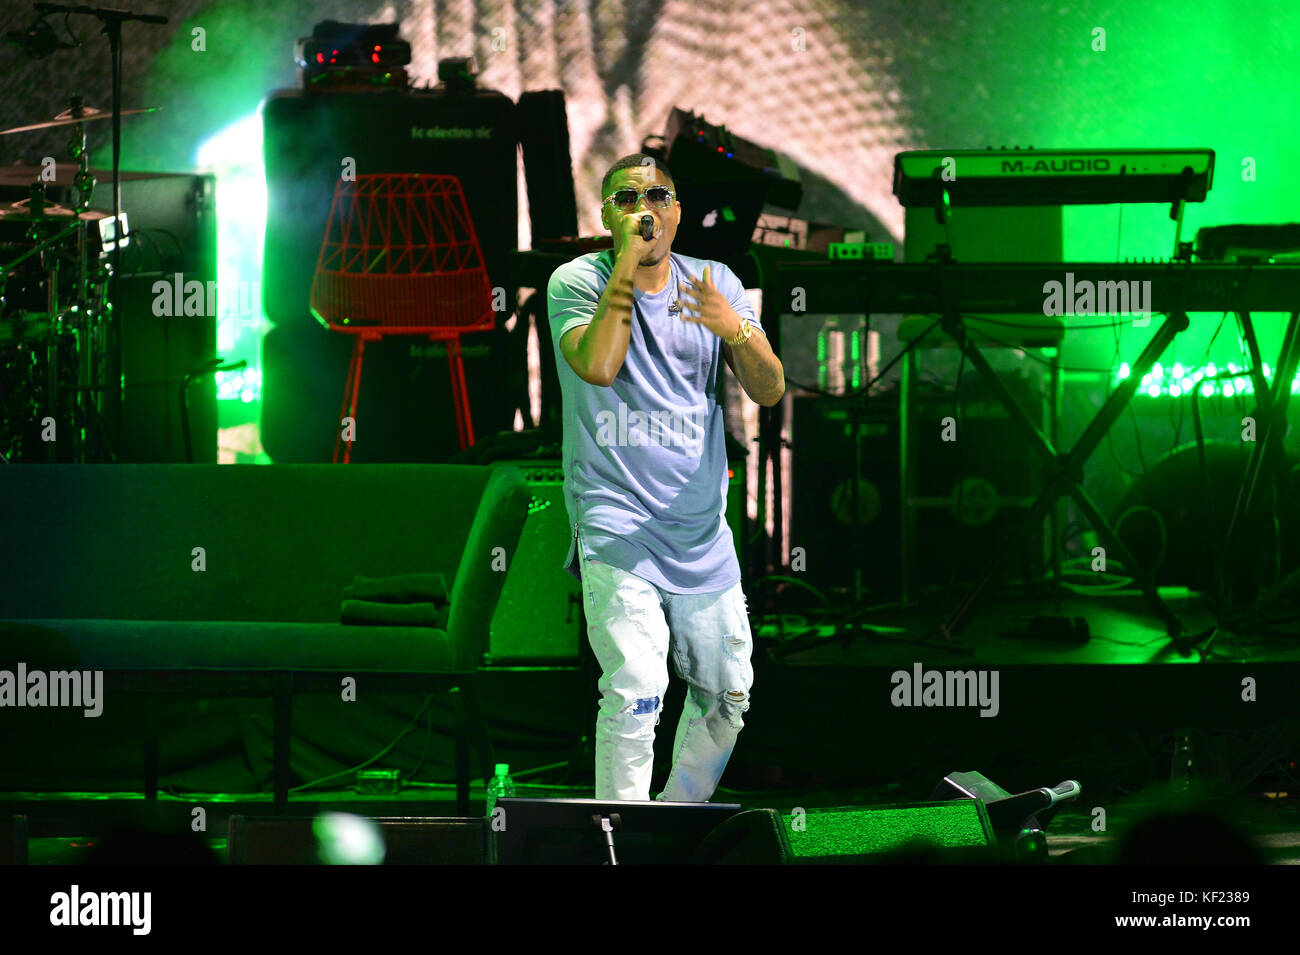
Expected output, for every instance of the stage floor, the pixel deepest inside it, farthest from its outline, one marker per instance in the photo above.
(1122, 626)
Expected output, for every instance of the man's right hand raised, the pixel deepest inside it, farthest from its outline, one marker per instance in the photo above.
(627, 236)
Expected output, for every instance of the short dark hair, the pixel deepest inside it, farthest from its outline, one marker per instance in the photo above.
(629, 162)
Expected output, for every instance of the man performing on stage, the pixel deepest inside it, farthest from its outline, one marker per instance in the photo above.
(638, 334)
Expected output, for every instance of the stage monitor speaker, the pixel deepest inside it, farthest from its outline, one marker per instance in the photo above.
(548, 164)
(13, 840)
(539, 616)
(408, 840)
(1018, 819)
(931, 832)
(752, 837)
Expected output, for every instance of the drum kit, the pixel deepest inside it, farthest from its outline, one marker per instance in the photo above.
(56, 337)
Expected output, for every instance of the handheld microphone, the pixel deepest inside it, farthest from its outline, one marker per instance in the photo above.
(647, 227)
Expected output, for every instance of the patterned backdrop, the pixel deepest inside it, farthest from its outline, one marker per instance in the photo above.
(840, 87)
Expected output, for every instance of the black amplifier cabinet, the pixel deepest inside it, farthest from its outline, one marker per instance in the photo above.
(177, 214)
(539, 616)
(307, 137)
(969, 494)
(837, 539)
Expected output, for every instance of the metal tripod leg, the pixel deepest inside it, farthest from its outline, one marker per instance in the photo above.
(1067, 476)
(1272, 408)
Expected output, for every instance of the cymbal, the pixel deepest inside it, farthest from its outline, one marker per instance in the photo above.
(70, 117)
(21, 212)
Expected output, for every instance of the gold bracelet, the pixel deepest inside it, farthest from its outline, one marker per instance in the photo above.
(742, 336)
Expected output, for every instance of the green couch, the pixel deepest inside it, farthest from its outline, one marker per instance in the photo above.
(227, 580)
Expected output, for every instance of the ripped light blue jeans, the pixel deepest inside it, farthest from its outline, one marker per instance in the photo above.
(632, 625)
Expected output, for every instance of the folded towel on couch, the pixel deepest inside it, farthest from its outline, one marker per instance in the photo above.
(424, 614)
(400, 589)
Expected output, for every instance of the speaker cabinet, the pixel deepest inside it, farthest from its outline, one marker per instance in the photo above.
(173, 217)
(752, 837)
(404, 412)
(837, 533)
(975, 476)
(311, 139)
(408, 840)
(539, 615)
(157, 352)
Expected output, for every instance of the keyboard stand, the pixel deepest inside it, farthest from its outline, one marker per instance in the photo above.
(1064, 472)
(1268, 452)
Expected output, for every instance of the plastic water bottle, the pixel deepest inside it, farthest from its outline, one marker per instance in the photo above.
(500, 785)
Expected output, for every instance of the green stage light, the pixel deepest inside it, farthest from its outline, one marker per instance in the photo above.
(244, 386)
(234, 155)
(1178, 380)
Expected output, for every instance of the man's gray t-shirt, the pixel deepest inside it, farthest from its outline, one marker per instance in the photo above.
(645, 465)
